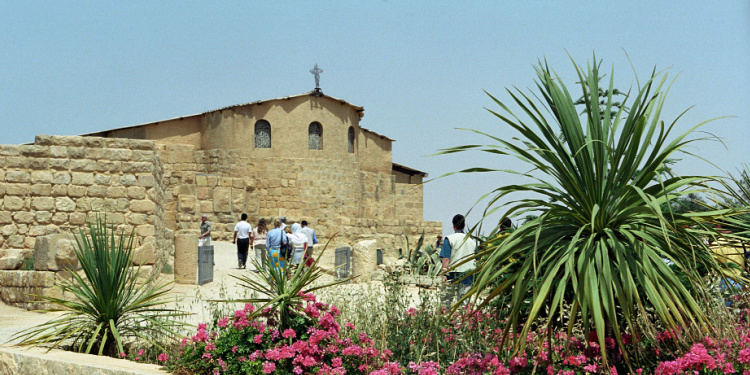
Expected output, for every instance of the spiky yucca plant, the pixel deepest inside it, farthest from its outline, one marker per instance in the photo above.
(282, 292)
(109, 305)
(601, 240)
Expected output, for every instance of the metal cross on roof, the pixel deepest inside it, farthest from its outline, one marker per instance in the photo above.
(316, 72)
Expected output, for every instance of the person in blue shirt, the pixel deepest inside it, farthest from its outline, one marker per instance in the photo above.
(274, 240)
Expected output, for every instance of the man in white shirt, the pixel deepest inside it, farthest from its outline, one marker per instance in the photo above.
(242, 237)
(311, 238)
(456, 248)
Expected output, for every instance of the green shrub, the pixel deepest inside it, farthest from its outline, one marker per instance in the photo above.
(599, 243)
(108, 306)
(280, 292)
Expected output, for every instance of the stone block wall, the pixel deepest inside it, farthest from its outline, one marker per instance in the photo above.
(17, 288)
(198, 182)
(335, 196)
(59, 183)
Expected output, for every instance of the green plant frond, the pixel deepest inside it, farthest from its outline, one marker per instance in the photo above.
(108, 306)
(282, 293)
(606, 224)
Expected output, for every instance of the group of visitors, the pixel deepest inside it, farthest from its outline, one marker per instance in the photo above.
(294, 244)
(282, 244)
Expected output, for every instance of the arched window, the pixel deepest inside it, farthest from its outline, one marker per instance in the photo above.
(315, 136)
(262, 134)
(351, 140)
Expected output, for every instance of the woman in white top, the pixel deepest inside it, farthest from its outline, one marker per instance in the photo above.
(259, 243)
(298, 242)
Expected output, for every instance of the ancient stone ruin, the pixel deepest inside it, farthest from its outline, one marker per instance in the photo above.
(305, 157)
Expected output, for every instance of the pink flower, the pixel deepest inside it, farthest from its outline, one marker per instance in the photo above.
(163, 357)
(728, 368)
(307, 297)
(289, 333)
(258, 339)
(309, 361)
(627, 339)
(249, 308)
(201, 336)
(222, 364)
(122, 355)
(210, 347)
(591, 368)
(518, 362)
(269, 367)
(223, 322)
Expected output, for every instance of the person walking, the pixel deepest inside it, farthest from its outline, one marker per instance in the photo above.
(205, 237)
(242, 237)
(274, 240)
(259, 243)
(311, 238)
(298, 242)
(439, 242)
(456, 248)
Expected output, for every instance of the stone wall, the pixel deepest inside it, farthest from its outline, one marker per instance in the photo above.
(334, 196)
(18, 288)
(23, 361)
(59, 183)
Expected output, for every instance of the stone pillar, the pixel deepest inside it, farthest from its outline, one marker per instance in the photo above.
(186, 256)
(364, 259)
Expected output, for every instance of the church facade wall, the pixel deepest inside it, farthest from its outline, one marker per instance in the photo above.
(234, 128)
(178, 131)
(208, 164)
(331, 195)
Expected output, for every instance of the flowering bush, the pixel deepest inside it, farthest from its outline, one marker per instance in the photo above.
(427, 341)
(250, 342)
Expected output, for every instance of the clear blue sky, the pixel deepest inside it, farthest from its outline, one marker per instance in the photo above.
(418, 68)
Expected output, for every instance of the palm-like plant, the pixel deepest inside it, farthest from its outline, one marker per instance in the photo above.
(109, 305)
(422, 259)
(280, 293)
(737, 195)
(599, 243)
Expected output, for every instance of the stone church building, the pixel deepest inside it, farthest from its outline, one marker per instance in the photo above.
(305, 157)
